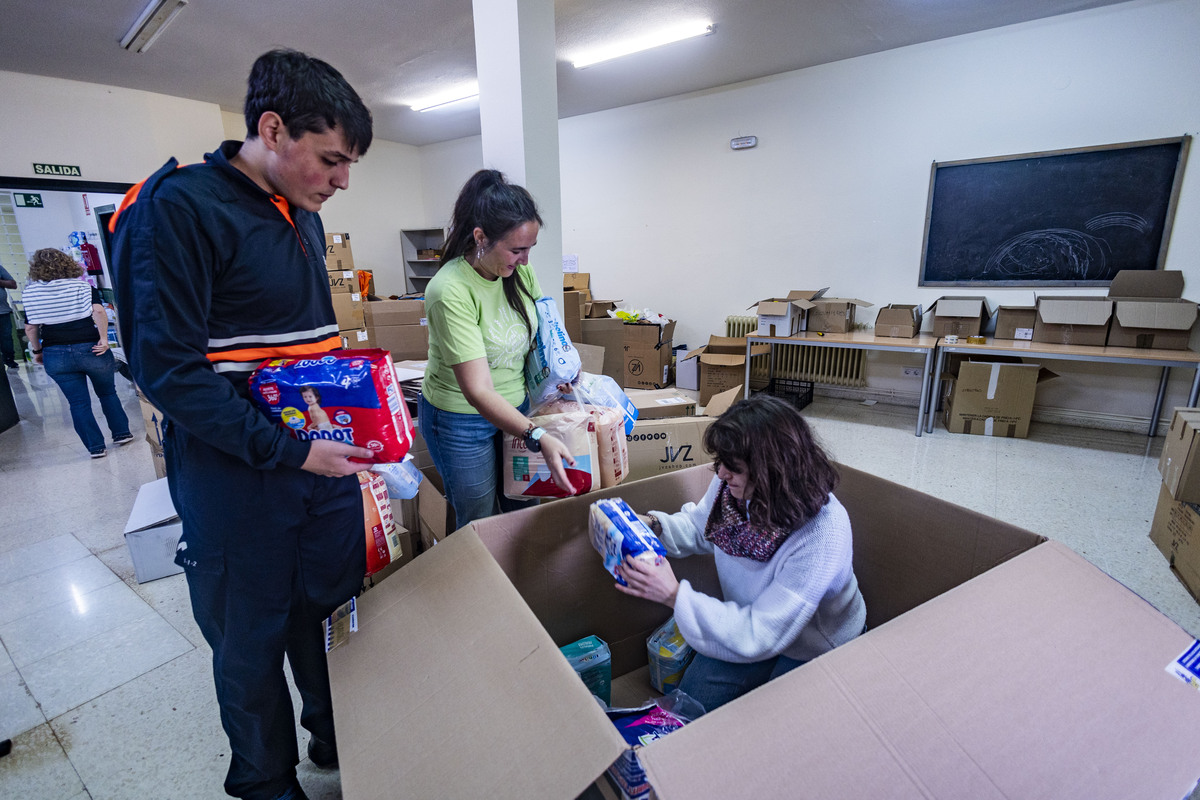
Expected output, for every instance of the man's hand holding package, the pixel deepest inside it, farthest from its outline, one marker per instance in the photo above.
(331, 459)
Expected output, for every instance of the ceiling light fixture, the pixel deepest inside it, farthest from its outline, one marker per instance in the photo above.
(449, 97)
(673, 33)
(150, 24)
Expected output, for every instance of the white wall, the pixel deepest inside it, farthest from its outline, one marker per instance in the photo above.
(664, 214)
(112, 134)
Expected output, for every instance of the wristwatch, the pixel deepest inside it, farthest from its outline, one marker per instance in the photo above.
(531, 437)
(35, 352)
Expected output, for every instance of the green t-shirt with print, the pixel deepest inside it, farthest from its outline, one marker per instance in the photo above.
(469, 318)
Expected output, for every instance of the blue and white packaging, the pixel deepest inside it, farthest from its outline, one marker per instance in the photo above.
(616, 533)
(601, 390)
(553, 361)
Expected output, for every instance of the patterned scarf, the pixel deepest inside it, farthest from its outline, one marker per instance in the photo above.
(730, 529)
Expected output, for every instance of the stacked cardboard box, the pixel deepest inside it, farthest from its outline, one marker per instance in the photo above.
(399, 326)
(647, 348)
(1149, 311)
(1176, 526)
(952, 698)
(344, 290)
(669, 434)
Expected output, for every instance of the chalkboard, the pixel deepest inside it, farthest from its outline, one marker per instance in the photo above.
(1064, 218)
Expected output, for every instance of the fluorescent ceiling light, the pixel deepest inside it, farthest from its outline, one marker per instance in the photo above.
(462, 93)
(151, 23)
(672, 33)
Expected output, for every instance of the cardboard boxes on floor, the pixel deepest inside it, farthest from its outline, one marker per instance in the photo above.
(669, 435)
(723, 364)
(990, 398)
(1176, 527)
(956, 697)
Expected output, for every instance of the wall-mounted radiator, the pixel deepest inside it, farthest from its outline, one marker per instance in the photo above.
(836, 366)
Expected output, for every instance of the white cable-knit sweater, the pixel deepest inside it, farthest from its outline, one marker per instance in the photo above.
(802, 603)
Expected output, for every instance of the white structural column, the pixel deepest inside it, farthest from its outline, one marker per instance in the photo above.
(518, 110)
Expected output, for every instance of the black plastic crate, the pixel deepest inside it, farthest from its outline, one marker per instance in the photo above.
(797, 392)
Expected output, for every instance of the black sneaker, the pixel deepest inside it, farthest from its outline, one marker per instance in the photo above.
(322, 754)
(293, 792)
(124, 438)
(99, 454)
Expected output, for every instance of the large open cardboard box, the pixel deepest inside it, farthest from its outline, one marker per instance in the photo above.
(1073, 320)
(998, 666)
(1149, 311)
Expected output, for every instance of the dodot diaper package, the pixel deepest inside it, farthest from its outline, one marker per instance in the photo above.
(347, 396)
(616, 532)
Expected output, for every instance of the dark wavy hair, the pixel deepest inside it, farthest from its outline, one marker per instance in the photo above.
(49, 264)
(789, 475)
(308, 95)
(489, 202)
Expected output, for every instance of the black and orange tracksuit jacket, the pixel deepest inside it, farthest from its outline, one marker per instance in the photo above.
(213, 275)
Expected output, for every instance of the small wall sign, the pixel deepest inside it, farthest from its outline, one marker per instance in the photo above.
(61, 170)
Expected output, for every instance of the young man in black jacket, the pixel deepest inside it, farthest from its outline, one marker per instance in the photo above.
(218, 266)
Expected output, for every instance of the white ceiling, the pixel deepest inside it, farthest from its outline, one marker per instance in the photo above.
(393, 52)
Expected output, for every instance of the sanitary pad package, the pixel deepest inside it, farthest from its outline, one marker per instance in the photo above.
(639, 727)
(669, 656)
(383, 539)
(347, 396)
(591, 659)
(616, 532)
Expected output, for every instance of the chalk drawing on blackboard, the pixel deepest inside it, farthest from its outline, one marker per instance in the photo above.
(1060, 253)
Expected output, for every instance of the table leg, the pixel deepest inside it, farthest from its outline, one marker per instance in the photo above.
(1195, 390)
(746, 382)
(924, 391)
(933, 390)
(1158, 402)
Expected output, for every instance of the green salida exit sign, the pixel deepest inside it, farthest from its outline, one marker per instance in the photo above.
(27, 200)
(61, 170)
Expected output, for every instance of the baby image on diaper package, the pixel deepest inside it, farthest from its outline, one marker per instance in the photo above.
(346, 396)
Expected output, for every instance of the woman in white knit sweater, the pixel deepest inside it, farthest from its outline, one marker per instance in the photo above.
(783, 551)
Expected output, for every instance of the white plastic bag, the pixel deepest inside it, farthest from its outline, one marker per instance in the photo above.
(553, 362)
(402, 478)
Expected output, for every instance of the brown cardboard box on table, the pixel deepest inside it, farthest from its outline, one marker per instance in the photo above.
(834, 314)
(338, 255)
(1015, 322)
(647, 352)
(898, 321)
(990, 398)
(1073, 320)
(959, 316)
(997, 665)
(785, 316)
(723, 364)
(1149, 311)
(1176, 533)
(1179, 463)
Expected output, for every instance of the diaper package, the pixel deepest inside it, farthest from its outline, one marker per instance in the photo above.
(669, 656)
(616, 532)
(612, 450)
(553, 361)
(383, 539)
(347, 396)
(640, 727)
(591, 659)
(526, 474)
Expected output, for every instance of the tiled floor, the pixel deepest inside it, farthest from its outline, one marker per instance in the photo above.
(105, 686)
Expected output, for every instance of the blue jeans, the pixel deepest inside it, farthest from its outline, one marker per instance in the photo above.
(713, 682)
(71, 366)
(465, 448)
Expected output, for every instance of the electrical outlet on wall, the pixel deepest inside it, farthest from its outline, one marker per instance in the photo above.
(912, 372)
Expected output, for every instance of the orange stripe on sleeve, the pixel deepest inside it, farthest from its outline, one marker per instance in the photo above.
(129, 199)
(290, 351)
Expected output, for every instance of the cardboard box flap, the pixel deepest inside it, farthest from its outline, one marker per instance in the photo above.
(718, 404)
(1167, 283)
(879, 718)
(471, 666)
(995, 362)
(152, 506)
(800, 298)
(894, 314)
(1074, 310)
(847, 300)
(961, 307)
(1169, 315)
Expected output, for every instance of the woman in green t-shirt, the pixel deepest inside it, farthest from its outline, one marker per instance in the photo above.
(482, 323)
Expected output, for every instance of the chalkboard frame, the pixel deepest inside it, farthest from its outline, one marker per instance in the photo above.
(957, 250)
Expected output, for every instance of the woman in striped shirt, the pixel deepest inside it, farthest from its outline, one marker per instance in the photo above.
(64, 322)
